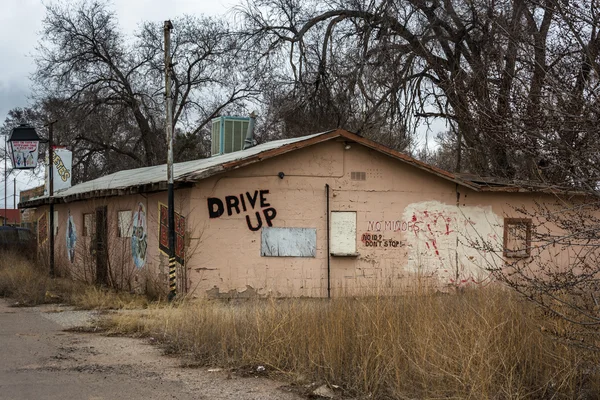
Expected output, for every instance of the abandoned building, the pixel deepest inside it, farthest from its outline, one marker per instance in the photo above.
(321, 215)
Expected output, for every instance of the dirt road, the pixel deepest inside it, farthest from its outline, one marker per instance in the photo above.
(39, 360)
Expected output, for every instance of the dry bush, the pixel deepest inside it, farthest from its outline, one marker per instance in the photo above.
(95, 298)
(21, 280)
(478, 344)
(29, 283)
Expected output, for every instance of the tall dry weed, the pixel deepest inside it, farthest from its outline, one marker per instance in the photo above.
(478, 344)
(21, 280)
(29, 283)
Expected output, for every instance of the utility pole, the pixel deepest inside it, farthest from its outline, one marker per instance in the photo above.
(51, 192)
(5, 179)
(168, 26)
(15, 195)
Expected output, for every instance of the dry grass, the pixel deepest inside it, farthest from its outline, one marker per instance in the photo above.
(481, 344)
(29, 284)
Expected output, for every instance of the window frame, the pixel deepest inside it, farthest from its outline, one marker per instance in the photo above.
(92, 228)
(337, 235)
(129, 230)
(525, 253)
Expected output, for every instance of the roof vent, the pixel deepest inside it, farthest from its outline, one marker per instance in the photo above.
(228, 134)
(358, 176)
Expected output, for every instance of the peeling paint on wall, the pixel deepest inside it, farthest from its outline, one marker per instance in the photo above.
(248, 293)
(453, 243)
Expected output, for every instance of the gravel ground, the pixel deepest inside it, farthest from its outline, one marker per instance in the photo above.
(39, 359)
(69, 318)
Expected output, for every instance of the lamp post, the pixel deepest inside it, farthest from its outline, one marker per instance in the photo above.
(24, 149)
(168, 26)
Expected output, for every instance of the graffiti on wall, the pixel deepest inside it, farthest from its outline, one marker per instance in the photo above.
(442, 240)
(163, 233)
(71, 237)
(42, 228)
(255, 205)
(378, 240)
(139, 236)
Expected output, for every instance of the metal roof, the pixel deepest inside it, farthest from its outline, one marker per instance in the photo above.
(153, 178)
(150, 179)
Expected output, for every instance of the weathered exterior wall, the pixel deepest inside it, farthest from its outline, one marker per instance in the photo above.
(410, 225)
(152, 265)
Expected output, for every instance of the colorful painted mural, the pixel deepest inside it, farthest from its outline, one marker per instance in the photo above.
(163, 233)
(71, 237)
(139, 237)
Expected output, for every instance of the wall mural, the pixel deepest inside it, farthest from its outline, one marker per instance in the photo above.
(139, 237)
(71, 236)
(245, 203)
(163, 233)
(42, 228)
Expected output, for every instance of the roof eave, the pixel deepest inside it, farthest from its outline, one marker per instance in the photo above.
(139, 189)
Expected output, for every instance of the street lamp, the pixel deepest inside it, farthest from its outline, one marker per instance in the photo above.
(24, 148)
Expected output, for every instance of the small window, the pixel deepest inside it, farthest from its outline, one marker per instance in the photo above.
(343, 233)
(517, 237)
(125, 223)
(88, 225)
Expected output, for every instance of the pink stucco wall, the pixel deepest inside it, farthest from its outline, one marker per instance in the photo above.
(424, 228)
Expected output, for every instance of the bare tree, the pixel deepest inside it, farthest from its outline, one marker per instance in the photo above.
(504, 75)
(109, 88)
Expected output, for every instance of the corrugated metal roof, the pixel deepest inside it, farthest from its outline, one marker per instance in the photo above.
(181, 171)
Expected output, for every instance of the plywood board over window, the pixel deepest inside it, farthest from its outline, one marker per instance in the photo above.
(125, 223)
(288, 242)
(517, 237)
(343, 233)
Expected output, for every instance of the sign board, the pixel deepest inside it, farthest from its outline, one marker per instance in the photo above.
(25, 154)
(343, 233)
(288, 242)
(62, 166)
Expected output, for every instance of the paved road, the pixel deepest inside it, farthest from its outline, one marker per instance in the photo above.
(39, 360)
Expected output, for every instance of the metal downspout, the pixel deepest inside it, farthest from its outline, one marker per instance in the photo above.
(328, 251)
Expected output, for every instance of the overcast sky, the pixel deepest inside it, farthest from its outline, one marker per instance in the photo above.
(20, 25)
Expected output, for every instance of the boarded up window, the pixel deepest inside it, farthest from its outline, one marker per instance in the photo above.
(88, 225)
(343, 233)
(288, 242)
(124, 219)
(517, 237)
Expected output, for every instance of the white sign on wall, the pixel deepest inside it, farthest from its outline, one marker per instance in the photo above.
(343, 233)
